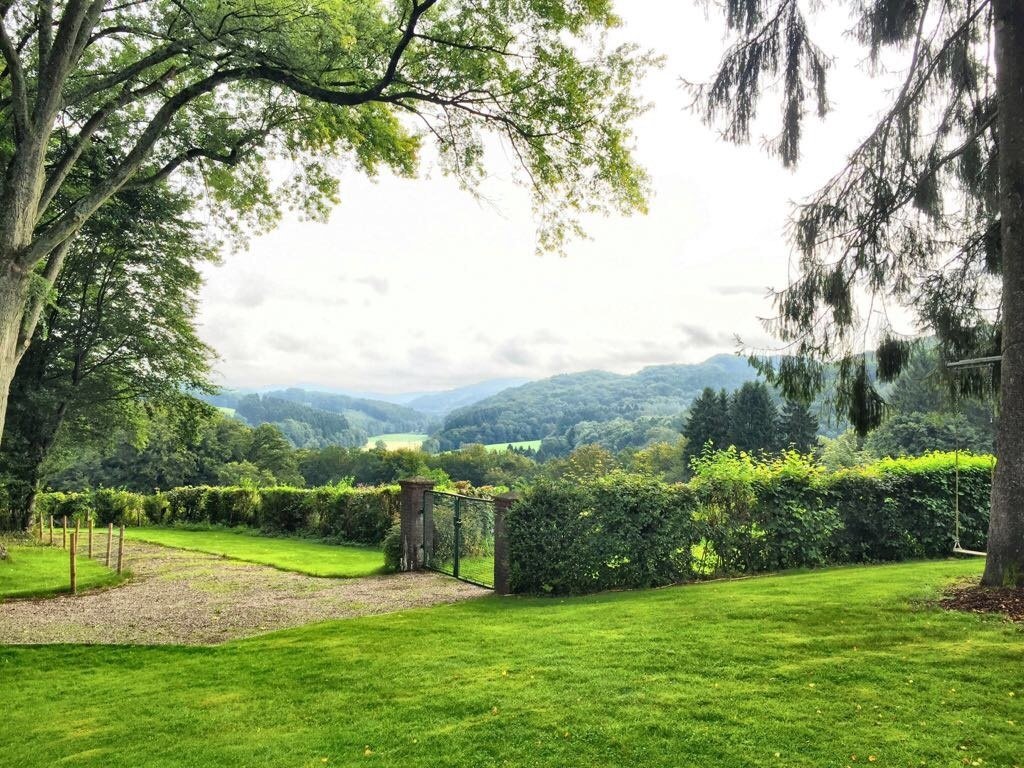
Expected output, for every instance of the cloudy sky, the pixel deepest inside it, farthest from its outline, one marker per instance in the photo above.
(414, 285)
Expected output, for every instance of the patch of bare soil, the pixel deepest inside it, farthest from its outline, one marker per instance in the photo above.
(192, 598)
(977, 599)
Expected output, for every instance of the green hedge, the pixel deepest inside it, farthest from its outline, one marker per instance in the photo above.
(357, 515)
(618, 532)
(103, 506)
(740, 515)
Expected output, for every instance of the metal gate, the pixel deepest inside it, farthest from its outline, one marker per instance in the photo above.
(458, 536)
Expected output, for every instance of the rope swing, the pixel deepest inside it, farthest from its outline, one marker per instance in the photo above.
(980, 362)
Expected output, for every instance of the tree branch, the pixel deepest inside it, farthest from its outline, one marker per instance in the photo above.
(93, 124)
(19, 96)
(30, 318)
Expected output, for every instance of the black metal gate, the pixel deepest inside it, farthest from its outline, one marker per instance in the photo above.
(458, 536)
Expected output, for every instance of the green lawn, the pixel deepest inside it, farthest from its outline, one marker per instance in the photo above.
(397, 440)
(830, 669)
(38, 571)
(289, 554)
(526, 444)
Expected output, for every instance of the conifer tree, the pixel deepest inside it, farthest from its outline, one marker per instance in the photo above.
(927, 212)
(708, 422)
(753, 419)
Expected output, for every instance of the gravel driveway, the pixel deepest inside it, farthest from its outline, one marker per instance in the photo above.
(192, 598)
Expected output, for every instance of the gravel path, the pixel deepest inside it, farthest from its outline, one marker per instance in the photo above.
(192, 598)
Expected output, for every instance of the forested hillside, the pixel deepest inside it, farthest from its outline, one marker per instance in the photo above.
(304, 426)
(552, 407)
(311, 419)
(440, 404)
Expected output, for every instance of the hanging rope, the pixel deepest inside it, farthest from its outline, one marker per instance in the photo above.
(958, 548)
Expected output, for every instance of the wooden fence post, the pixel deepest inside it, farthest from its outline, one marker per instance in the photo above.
(51, 530)
(74, 563)
(110, 540)
(78, 524)
(90, 537)
(120, 549)
(41, 528)
(502, 504)
(64, 532)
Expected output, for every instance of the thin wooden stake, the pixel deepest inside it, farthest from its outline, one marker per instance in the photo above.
(64, 532)
(120, 549)
(90, 538)
(78, 523)
(74, 563)
(110, 539)
(51, 530)
(41, 529)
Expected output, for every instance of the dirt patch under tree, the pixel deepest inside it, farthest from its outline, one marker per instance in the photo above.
(977, 599)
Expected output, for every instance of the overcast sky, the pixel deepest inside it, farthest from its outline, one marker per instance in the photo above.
(415, 285)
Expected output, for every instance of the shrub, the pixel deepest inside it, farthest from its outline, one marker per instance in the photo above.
(358, 515)
(185, 505)
(287, 509)
(616, 532)
(156, 508)
(76, 505)
(393, 548)
(743, 515)
(231, 506)
(117, 507)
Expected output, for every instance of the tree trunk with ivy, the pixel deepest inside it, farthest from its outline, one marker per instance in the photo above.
(1005, 565)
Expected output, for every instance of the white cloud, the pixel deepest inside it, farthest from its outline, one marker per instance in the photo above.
(450, 291)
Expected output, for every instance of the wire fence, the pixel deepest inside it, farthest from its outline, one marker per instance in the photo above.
(458, 536)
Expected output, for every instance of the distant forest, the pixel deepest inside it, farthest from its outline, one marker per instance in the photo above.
(616, 412)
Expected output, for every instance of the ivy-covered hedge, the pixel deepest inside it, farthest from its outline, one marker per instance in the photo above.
(739, 515)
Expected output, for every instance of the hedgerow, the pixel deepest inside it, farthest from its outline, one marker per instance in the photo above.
(102, 506)
(357, 515)
(617, 532)
(742, 515)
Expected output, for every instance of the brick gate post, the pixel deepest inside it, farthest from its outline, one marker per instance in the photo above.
(502, 504)
(412, 522)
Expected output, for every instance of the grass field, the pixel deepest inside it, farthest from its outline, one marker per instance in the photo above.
(524, 444)
(838, 668)
(397, 440)
(289, 554)
(38, 571)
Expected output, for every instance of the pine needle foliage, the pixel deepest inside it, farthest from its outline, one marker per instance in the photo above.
(912, 218)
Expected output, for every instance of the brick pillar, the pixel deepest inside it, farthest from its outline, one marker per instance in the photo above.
(502, 504)
(412, 521)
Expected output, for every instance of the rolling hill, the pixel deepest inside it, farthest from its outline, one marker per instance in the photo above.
(552, 406)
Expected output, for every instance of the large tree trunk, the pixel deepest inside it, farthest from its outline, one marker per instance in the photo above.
(1005, 566)
(14, 287)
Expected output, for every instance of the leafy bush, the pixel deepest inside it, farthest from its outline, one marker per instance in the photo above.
(287, 509)
(393, 548)
(77, 506)
(156, 507)
(231, 506)
(114, 506)
(185, 505)
(617, 532)
(743, 515)
(343, 513)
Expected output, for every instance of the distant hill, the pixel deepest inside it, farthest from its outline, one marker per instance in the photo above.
(552, 406)
(329, 418)
(304, 426)
(443, 403)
